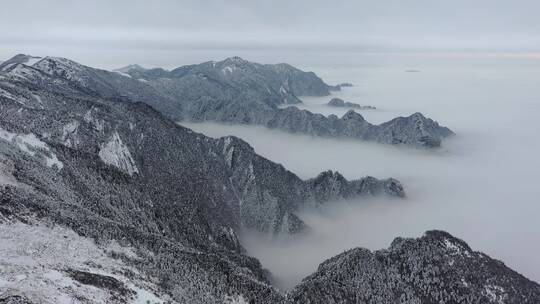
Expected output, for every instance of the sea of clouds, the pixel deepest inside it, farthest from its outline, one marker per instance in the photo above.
(482, 185)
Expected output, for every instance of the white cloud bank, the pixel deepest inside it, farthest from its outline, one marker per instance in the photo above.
(481, 185)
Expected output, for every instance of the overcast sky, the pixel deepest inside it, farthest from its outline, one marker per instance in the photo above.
(104, 32)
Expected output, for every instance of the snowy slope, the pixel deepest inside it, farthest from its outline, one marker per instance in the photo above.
(40, 261)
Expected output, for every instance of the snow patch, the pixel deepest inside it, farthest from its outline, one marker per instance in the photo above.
(33, 146)
(495, 293)
(228, 70)
(116, 153)
(145, 297)
(239, 299)
(251, 173)
(123, 74)
(38, 99)
(228, 151)
(34, 260)
(451, 246)
(456, 249)
(6, 173)
(88, 116)
(30, 61)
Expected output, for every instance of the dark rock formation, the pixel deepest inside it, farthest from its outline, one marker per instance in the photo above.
(14, 299)
(102, 282)
(340, 103)
(332, 186)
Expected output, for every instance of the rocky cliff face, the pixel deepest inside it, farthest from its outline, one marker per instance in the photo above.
(269, 195)
(436, 268)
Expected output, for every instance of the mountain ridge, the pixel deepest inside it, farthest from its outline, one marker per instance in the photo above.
(112, 169)
(237, 91)
(434, 268)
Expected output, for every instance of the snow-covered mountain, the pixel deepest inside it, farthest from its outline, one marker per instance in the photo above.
(19, 59)
(238, 91)
(112, 169)
(132, 68)
(270, 81)
(104, 199)
(232, 91)
(435, 268)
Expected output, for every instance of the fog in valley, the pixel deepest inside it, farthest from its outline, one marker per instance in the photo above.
(481, 185)
(92, 159)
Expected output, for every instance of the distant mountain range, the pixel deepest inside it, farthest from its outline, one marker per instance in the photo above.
(105, 199)
(236, 91)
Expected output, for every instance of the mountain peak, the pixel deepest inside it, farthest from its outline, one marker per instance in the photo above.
(130, 68)
(418, 115)
(19, 59)
(351, 114)
(58, 61)
(236, 60)
(58, 65)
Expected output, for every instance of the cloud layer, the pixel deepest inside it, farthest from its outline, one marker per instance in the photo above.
(481, 186)
(96, 32)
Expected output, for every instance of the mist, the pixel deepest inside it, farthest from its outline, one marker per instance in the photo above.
(481, 185)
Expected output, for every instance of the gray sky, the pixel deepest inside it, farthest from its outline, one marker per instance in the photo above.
(104, 32)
